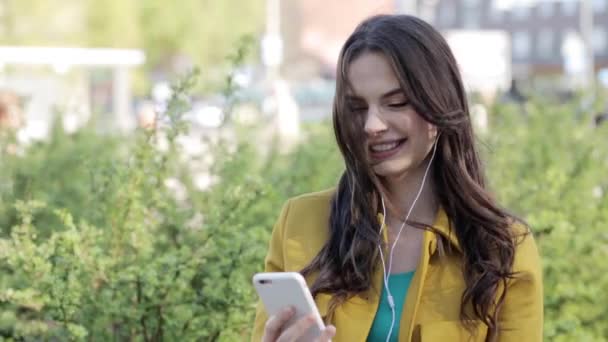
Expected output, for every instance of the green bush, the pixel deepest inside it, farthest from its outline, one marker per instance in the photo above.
(550, 166)
(95, 246)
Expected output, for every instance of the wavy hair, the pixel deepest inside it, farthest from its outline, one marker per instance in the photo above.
(429, 76)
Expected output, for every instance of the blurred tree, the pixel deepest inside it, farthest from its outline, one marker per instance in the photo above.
(199, 32)
(196, 32)
(41, 22)
(112, 23)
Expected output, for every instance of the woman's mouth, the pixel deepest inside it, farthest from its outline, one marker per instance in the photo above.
(385, 149)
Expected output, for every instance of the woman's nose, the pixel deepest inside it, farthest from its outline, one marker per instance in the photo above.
(374, 123)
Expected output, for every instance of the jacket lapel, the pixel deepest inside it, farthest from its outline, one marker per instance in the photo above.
(442, 226)
(412, 300)
(358, 313)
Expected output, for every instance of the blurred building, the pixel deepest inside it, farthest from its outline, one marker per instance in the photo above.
(539, 30)
(313, 32)
(73, 82)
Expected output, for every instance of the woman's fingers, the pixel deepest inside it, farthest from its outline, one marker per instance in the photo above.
(275, 331)
(297, 330)
(328, 333)
(274, 325)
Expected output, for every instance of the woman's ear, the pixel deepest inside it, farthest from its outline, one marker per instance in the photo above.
(433, 131)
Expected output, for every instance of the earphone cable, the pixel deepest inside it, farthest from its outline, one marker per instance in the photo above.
(386, 274)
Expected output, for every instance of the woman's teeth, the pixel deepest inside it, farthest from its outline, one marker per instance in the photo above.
(384, 147)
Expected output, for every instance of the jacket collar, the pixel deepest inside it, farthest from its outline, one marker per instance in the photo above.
(442, 226)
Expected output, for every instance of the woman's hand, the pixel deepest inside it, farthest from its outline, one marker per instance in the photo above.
(275, 331)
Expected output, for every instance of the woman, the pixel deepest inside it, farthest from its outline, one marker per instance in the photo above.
(410, 246)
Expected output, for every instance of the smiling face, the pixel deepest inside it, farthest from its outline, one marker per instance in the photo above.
(397, 138)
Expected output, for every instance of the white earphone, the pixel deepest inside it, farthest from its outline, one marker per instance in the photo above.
(391, 301)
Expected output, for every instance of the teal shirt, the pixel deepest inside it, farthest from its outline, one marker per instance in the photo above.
(398, 283)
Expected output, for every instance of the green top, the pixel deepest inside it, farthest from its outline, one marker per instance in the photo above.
(398, 284)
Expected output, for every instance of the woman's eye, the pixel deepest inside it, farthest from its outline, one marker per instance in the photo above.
(398, 104)
(357, 109)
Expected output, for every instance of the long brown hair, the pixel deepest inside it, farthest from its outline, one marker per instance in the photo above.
(428, 74)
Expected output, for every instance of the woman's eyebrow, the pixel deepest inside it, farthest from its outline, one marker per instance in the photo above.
(393, 92)
(350, 97)
(396, 91)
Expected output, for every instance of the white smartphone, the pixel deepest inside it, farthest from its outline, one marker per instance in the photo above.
(281, 289)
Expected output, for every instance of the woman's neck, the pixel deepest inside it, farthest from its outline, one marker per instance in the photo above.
(402, 192)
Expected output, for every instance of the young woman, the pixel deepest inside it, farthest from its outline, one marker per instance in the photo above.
(410, 246)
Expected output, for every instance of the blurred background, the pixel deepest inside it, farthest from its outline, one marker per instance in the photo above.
(146, 148)
(116, 59)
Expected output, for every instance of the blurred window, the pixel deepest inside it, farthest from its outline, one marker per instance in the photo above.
(471, 3)
(546, 9)
(569, 7)
(471, 18)
(546, 41)
(521, 44)
(600, 41)
(600, 5)
(471, 14)
(496, 12)
(447, 13)
(520, 12)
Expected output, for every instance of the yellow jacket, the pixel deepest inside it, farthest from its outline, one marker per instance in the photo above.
(432, 306)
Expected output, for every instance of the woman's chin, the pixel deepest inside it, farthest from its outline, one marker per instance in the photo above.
(389, 170)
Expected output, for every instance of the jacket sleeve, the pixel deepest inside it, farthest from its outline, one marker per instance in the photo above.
(273, 263)
(521, 317)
